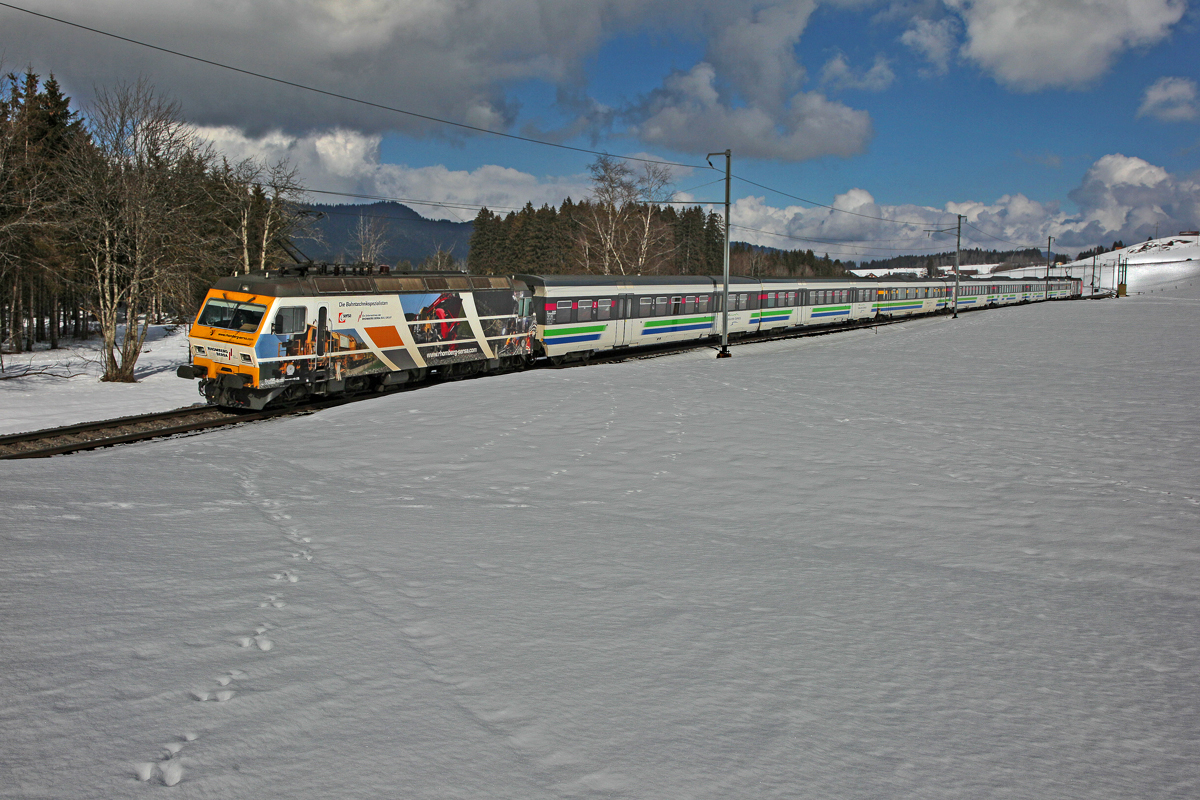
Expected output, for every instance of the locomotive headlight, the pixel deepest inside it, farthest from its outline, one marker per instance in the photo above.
(199, 350)
(245, 358)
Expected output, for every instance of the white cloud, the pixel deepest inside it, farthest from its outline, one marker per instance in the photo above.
(1127, 196)
(756, 53)
(689, 114)
(458, 60)
(1120, 197)
(339, 160)
(1036, 44)
(838, 75)
(1170, 100)
(933, 40)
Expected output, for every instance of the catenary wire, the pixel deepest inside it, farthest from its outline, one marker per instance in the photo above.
(831, 208)
(462, 125)
(822, 241)
(348, 98)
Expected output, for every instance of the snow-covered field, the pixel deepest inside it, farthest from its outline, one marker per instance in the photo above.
(953, 559)
(70, 389)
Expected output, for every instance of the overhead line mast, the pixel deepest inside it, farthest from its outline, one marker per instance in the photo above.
(724, 353)
(957, 254)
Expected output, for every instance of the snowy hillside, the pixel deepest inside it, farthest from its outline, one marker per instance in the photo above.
(956, 558)
(1154, 266)
(1167, 250)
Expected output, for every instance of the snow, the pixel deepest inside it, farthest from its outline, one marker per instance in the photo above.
(51, 399)
(1153, 266)
(954, 558)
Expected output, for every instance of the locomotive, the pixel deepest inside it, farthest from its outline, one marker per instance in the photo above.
(279, 337)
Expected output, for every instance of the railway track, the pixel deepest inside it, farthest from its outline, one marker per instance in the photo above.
(125, 430)
(139, 428)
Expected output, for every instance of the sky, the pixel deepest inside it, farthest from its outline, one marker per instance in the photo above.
(1072, 119)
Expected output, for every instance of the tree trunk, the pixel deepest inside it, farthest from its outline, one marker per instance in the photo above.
(54, 322)
(30, 326)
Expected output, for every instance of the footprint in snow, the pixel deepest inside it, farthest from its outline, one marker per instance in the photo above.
(286, 575)
(168, 770)
(259, 642)
(220, 694)
(272, 601)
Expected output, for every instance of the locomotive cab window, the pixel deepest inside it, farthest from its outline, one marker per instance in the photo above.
(231, 315)
(289, 320)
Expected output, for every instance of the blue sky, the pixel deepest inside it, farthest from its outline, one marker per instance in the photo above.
(1078, 119)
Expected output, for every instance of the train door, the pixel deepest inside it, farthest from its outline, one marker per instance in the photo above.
(624, 324)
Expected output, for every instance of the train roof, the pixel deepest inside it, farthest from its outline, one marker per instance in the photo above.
(567, 281)
(311, 280)
(317, 280)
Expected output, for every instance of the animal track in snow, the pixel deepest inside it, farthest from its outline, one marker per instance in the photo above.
(169, 769)
(223, 693)
(286, 575)
(272, 601)
(258, 640)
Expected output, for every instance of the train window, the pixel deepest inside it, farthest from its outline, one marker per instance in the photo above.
(702, 303)
(231, 315)
(289, 320)
(564, 312)
(791, 298)
(689, 305)
(585, 311)
(770, 298)
(604, 309)
(676, 306)
(660, 306)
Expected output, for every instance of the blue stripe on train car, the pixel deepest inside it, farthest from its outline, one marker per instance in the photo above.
(676, 328)
(843, 313)
(587, 337)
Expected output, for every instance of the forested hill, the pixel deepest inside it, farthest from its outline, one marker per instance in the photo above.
(970, 257)
(386, 232)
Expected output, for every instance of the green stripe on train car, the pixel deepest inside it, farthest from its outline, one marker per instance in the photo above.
(659, 323)
(573, 331)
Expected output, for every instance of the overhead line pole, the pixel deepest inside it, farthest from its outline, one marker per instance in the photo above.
(724, 353)
(957, 254)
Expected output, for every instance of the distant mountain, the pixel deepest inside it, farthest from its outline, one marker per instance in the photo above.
(405, 234)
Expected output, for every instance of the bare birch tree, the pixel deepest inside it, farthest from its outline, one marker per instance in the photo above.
(651, 238)
(371, 239)
(258, 201)
(614, 191)
(620, 230)
(136, 187)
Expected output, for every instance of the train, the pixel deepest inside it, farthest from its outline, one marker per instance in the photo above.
(285, 336)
